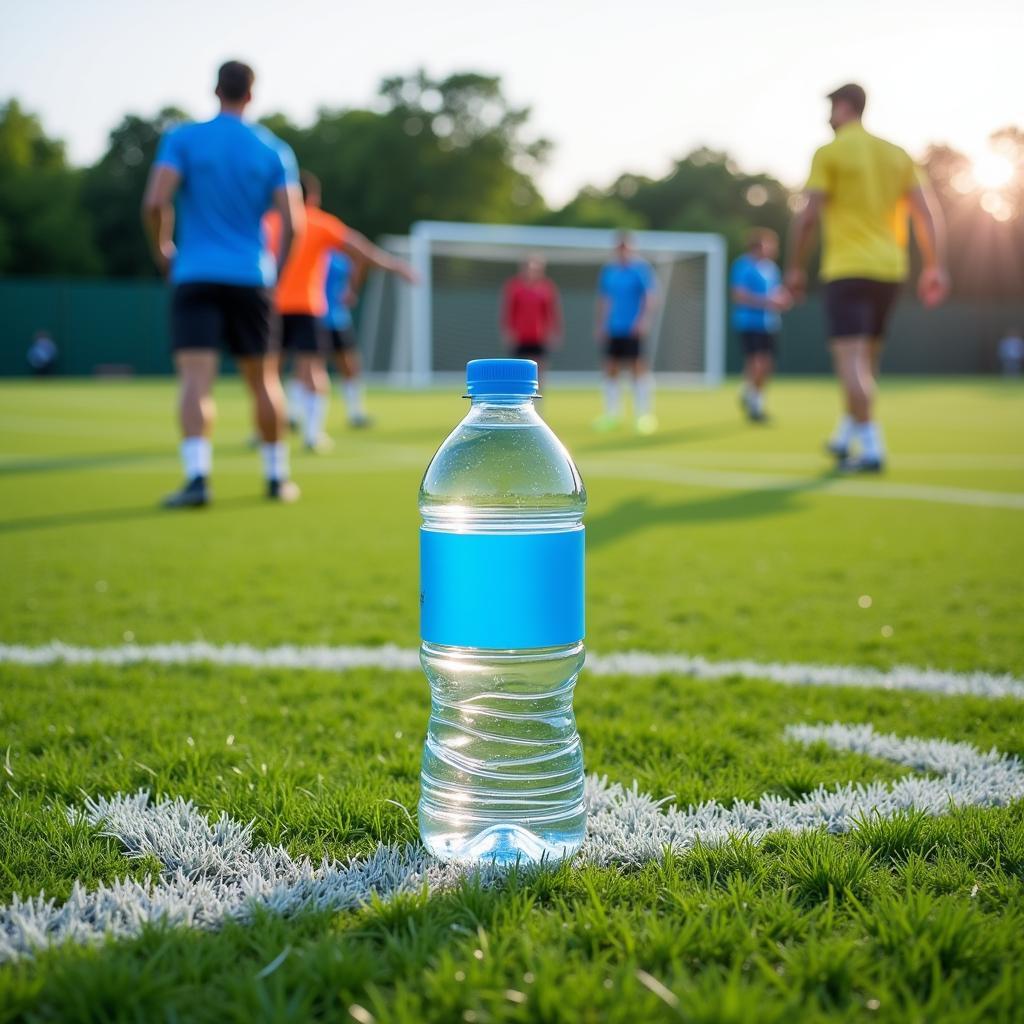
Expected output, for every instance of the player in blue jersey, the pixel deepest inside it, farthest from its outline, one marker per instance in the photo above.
(758, 299)
(225, 174)
(627, 297)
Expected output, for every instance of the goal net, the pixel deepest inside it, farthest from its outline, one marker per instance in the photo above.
(425, 334)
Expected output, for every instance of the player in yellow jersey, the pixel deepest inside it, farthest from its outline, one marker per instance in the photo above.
(863, 190)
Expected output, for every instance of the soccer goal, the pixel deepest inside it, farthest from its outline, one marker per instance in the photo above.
(424, 335)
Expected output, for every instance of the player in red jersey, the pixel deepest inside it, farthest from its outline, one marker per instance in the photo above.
(531, 314)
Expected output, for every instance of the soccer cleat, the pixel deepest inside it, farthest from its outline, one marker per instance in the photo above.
(285, 491)
(606, 422)
(837, 451)
(323, 445)
(861, 465)
(360, 422)
(194, 494)
(646, 424)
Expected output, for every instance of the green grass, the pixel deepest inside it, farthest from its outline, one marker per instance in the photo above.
(910, 919)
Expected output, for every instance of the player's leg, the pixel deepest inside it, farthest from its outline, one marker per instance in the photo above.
(308, 343)
(253, 333)
(760, 361)
(263, 379)
(295, 394)
(609, 419)
(852, 357)
(848, 315)
(643, 392)
(196, 332)
(196, 370)
(876, 300)
(311, 370)
(349, 364)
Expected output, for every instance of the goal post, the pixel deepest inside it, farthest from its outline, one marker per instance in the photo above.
(423, 335)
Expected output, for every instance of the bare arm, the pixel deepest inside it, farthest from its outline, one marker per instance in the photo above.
(802, 233)
(158, 213)
(288, 203)
(742, 297)
(359, 246)
(648, 305)
(930, 233)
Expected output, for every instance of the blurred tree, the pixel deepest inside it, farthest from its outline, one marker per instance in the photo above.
(112, 191)
(704, 191)
(443, 149)
(592, 208)
(43, 229)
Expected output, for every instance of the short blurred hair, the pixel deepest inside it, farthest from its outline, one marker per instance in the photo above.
(759, 235)
(623, 238)
(234, 80)
(310, 184)
(851, 93)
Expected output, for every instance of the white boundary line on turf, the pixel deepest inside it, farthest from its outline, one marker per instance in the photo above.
(211, 872)
(627, 663)
(841, 486)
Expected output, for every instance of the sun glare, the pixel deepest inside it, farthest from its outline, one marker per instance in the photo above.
(992, 170)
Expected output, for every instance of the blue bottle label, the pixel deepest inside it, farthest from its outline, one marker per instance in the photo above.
(501, 591)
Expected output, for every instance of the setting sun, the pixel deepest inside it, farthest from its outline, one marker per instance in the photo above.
(992, 170)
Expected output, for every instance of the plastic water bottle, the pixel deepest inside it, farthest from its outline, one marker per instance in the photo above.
(501, 572)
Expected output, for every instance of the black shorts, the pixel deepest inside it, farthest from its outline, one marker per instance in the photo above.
(343, 339)
(758, 341)
(209, 315)
(624, 346)
(531, 350)
(858, 307)
(302, 332)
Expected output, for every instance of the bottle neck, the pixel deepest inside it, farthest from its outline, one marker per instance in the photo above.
(502, 401)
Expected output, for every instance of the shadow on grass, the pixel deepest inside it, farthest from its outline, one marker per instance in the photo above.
(89, 517)
(637, 514)
(640, 442)
(84, 460)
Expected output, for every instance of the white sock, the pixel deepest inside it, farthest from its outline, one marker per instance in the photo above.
(296, 399)
(275, 460)
(612, 396)
(844, 432)
(316, 411)
(196, 457)
(869, 435)
(643, 394)
(352, 392)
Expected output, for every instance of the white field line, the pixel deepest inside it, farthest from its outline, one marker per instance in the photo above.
(391, 458)
(626, 663)
(211, 872)
(394, 456)
(835, 486)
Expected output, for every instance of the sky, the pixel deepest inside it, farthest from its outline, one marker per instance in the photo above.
(624, 86)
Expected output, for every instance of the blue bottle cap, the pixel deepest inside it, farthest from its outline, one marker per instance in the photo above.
(501, 377)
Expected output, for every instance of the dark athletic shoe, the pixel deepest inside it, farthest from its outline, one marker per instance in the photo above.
(360, 422)
(861, 465)
(837, 451)
(194, 494)
(285, 491)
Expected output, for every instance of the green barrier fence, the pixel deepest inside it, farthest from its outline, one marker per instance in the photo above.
(121, 326)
